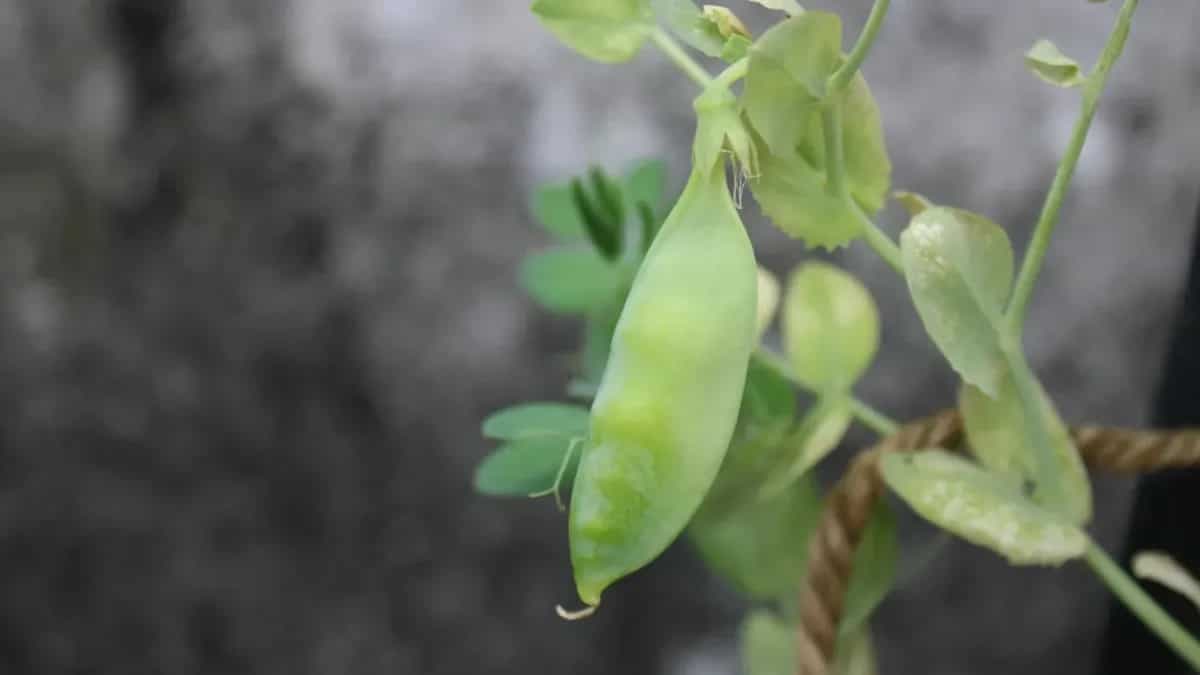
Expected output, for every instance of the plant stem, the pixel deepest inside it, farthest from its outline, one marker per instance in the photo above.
(842, 76)
(835, 173)
(872, 418)
(1092, 89)
(864, 413)
(1026, 384)
(880, 241)
(736, 71)
(1143, 606)
(673, 51)
(835, 151)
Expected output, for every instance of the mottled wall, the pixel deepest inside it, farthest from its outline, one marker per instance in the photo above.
(256, 281)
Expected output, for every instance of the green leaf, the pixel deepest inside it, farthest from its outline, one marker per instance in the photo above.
(533, 420)
(727, 23)
(769, 648)
(736, 48)
(646, 182)
(768, 399)
(761, 547)
(608, 199)
(790, 6)
(959, 268)
(768, 300)
(1047, 62)
(855, 655)
(764, 420)
(554, 208)
(912, 202)
(868, 169)
(688, 23)
(982, 508)
(610, 31)
(873, 573)
(785, 86)
(819, 433)
(1005, 432)
(570, 280)
(768, 645)
(598, 334)
(720, 129)
(830, 327)
(599, 221)
(1162, 568)
(524, 467)
(794, 195)
(786, 78)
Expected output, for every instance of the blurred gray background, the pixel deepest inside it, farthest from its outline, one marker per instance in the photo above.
(257, 285)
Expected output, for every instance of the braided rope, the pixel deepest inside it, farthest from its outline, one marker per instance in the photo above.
(850, 502)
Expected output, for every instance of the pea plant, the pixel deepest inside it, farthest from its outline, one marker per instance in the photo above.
(694, 424)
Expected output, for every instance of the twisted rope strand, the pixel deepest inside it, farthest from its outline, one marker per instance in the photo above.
(850, 502)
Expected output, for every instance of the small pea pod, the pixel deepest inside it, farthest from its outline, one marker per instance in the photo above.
(669, 397)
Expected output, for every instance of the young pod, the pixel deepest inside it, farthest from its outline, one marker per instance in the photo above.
(669, 398)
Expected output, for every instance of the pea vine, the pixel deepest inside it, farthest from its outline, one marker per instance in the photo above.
(695, 426)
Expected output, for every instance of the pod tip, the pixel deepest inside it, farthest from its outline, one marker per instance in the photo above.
(576, 615)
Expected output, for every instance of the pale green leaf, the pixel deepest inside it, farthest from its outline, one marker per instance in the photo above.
(768, 645)
(867, 166)
(610, 31)
(959, 268)
(1051, 65)
(768, 300)
(794, 195)
(524, 467)
(819, 433)
(736, 48)
(982, 508)
(830, 327)
(762, 546)
(786, 78)
(873, 573)
(554, 208)
(1004, 433)
(790, 6)
(532, 420)
(570, 280)
(1162, 568)
(689, 24)
(912, 202)
(646, 182)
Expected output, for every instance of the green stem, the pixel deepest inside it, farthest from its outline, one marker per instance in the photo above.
(835, 173)
(872, 418)
(864, 413)
(835, 151)
(880, 241)
(842, 76)
(736, 71)
(1092, 89)
(1141, 604)
(1025, 382)
(673, 51)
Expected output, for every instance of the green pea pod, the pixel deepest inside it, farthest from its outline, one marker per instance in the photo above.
(669, 398)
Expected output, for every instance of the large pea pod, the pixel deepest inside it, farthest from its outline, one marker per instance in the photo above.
(669, 398)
